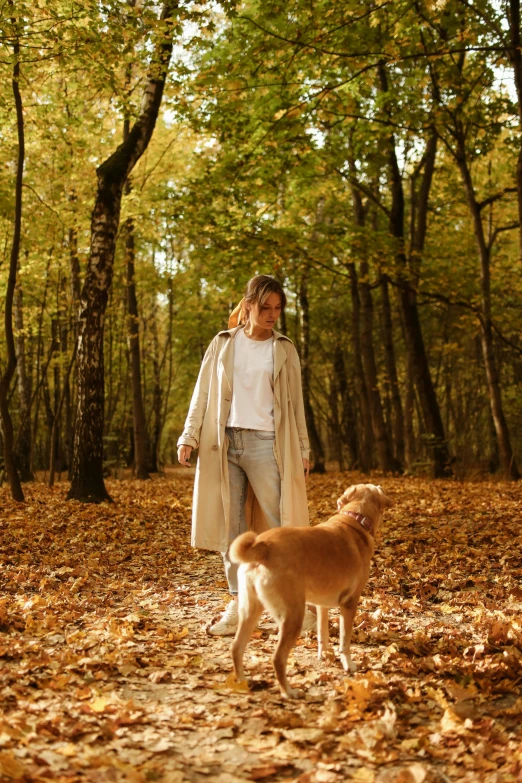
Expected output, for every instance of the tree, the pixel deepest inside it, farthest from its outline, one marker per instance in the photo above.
(87, 476)
(7, 375)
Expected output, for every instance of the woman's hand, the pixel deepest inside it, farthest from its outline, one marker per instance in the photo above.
(306, 466)
(184, 455)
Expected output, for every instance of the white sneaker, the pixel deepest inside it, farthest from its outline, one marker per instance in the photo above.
(309, 622)
(227, 623)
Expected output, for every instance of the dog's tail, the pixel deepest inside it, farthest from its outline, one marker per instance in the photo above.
(244, 549)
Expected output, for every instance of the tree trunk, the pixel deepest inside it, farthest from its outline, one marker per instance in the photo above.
(74, 262)
(7, 376)
(154, 458)
(409, 409)
(347, 429)
(66, 407)
(493, 456)
(23, 447)
(283, 327)
(170, 352)
(87, 476)
(40, 369)
(334, 423)
(76, 290)
(138, 410)
(365, 448)
(139, 423)
(507, 457)
(391, 371)
(315, 440)
(515, 55)
(54, 433)
(434, 428)
(380, 432)
(382, 443)
(57, 381)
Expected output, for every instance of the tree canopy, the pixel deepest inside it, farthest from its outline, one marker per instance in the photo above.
(368, 155)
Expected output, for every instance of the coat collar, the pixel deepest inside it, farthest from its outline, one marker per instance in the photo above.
(232, 333)
(227, 356)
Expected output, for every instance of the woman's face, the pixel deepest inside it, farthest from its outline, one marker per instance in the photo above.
(265, 316)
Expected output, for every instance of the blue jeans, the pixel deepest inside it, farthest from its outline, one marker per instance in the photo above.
(250, 460)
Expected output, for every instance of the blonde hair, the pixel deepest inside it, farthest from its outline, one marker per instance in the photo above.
(257, 291)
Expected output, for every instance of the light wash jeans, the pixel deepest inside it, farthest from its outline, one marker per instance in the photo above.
(250, 460)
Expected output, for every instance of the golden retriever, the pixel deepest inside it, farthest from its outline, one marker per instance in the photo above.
(285, 568)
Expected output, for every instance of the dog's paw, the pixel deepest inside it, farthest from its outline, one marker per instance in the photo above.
(348, 664)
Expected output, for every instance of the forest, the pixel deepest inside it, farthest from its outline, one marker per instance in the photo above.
(153, 159)
(154, 156)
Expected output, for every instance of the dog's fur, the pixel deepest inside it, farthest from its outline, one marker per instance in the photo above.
(283, 569)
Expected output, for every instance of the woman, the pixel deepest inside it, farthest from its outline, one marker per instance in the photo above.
(247, 419)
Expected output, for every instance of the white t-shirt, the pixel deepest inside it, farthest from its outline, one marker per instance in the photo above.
(252, 405)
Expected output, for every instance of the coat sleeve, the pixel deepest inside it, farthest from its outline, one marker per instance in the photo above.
(296, 395)
(198, 403)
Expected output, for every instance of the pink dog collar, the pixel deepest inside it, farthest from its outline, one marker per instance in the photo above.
(364, 521)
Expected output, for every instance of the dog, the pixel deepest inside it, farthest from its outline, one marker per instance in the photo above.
(285, 568)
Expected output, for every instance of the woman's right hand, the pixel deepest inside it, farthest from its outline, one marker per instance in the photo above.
(184, 455)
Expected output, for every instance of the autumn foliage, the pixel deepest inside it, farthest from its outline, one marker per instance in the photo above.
(108, 673)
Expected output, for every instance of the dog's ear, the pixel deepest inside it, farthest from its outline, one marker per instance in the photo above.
(386, 502)
(346, 496)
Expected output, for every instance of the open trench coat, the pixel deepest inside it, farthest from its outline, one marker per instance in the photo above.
(205, 428)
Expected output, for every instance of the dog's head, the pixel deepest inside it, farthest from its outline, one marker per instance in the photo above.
(368, 499)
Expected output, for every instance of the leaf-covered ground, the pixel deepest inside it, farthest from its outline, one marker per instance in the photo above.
(108, 674)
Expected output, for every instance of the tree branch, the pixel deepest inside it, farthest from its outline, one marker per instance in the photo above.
(496, 197)
(499, 230)
(392, 57)
(367, 192)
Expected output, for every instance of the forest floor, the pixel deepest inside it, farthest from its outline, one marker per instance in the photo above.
(108, 674)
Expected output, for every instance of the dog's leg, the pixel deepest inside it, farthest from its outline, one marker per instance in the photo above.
(345, 633)
(289, 631)
(323, 641)
(250, 609)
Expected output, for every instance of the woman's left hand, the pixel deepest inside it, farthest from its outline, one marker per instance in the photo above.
(306, 466)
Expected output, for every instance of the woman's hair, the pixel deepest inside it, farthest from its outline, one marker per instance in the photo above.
(258, 290)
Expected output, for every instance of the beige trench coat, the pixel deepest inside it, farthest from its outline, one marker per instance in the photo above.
(205, 428)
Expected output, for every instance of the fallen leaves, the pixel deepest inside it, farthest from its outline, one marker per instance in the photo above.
(358, 693)
(10, 767)
(231, 683)
(108, 674)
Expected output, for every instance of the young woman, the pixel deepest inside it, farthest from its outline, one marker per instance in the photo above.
(247, 419)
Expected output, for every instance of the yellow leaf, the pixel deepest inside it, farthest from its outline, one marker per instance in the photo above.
(499, 632)
(410, 744)
(69, 750)
(447, 609)
(83, 693)
(58, 683)
(99, 704)
(127, 668)
(452, 723)
(177, 633)
(358, 693)
(363, 775)
(177, 662)
(232, 684)
(437, 696)
(11, 767)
